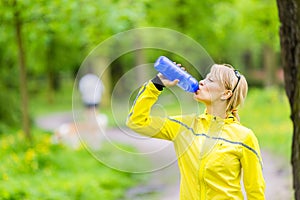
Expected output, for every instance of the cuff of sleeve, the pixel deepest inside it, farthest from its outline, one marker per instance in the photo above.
(158, 84)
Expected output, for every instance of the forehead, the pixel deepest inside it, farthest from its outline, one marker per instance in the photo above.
(219, 71)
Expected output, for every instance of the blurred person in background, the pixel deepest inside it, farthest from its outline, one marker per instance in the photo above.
(91, 90)
(93, 124)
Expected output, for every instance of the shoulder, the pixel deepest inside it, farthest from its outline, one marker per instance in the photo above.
(246, 138)
(242, 135)
(238, 130)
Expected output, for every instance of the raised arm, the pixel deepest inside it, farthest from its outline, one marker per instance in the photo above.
(140, 120)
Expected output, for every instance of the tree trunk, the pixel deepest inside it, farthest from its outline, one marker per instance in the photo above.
(23, 78)
(140, 60)
(247, 60)
(102, 69)
(289, 16)
(50, 68)
(269, 66)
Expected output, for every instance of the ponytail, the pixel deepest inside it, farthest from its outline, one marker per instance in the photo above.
(235, 113)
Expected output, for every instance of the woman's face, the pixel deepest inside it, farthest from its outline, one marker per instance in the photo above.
(210, 90)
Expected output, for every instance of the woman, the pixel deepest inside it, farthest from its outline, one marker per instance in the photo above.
(213, 148)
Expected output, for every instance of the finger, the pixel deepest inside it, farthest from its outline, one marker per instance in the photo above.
(160, 75)
(175, 82)
(178, 64)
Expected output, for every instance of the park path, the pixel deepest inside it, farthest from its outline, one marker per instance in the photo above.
(163, 184)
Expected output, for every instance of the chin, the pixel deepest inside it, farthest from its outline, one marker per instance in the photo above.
(197, 98)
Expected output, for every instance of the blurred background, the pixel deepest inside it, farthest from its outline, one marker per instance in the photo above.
(43, 44)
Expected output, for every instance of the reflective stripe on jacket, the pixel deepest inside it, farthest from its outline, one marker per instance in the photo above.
(213, 153)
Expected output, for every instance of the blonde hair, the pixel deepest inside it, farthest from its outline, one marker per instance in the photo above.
(227, 76)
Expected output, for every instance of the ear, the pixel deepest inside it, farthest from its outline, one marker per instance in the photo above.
(226, 95)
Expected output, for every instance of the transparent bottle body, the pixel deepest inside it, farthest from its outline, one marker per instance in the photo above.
(171, 71)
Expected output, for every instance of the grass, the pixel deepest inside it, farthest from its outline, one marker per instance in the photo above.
(46, 171)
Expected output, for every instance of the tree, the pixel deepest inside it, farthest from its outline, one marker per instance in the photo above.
(18, 24)
(289, 15)
(41, 44)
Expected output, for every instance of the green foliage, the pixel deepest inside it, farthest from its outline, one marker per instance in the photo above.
(267, 113)
(63, 32)
(9, 112)
(62, 101)
(59, 34)
(46, 171)
(226, 29)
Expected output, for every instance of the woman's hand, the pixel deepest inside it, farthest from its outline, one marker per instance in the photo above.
(167, 82)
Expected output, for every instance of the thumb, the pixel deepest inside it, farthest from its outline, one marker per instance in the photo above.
(172, 83)
(176, 81)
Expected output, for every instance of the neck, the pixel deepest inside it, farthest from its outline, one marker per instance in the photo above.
(218, 110)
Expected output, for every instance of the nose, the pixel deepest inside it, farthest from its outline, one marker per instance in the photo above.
(201, 82)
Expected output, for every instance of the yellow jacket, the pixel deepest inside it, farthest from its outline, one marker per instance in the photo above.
(213, 153)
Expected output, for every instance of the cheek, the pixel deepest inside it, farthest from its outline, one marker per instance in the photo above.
(215, 89)
(209, 90)
(202, 94)
(208, 93)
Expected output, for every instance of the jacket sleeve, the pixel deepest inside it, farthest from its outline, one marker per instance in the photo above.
(140, 120)
(252, 169)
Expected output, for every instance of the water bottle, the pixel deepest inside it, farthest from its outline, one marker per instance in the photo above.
(171, 71)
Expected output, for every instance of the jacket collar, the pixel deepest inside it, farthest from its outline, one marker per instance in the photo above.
(209, 117)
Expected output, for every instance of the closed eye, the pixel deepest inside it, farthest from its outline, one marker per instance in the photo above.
(209, 78)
